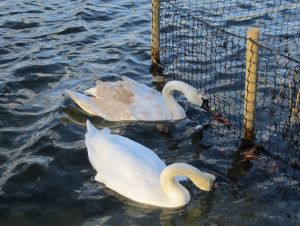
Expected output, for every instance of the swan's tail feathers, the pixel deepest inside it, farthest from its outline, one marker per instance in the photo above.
(85, 102)
(105, 131)
(71, 93)
(91, 130)
(79, 98)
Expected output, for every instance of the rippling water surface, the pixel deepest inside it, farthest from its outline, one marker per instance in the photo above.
(46, 178)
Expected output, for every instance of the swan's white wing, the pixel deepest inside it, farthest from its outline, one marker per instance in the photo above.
(123, 100)
(91, 91)
(129, 100)
(90, 104)
(115, 99)
(125, 166)
(149, 104)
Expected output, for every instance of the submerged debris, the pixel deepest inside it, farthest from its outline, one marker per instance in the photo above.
(220, 118)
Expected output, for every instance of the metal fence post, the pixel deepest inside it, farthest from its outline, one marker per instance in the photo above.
(251, 83)
(155, 31)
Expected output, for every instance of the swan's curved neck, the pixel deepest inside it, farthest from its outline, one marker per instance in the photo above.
(167, 93)
(175, 191)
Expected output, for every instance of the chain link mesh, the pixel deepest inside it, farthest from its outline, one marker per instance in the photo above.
(204, 43)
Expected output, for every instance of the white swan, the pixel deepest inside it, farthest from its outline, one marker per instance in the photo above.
(130, 100)
(137, 173)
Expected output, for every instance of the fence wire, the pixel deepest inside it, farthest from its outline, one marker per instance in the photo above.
(204, 44)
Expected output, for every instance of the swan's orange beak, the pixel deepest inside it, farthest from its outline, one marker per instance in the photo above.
(206, 107)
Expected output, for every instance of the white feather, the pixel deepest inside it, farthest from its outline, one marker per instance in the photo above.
(137, 173)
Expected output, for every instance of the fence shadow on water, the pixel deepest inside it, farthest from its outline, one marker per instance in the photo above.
(204, 43)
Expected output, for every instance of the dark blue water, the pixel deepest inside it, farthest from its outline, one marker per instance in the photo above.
(45, 176)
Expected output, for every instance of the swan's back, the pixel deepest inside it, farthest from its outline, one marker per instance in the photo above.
(130, 100)
(124, 165)
(123, 100)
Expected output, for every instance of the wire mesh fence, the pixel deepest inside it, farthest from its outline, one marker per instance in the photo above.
(204, 43)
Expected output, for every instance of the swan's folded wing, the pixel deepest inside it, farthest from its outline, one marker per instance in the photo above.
(91, 91)
(120, 161)
(123, 100)
(133, 169)
(119, 99)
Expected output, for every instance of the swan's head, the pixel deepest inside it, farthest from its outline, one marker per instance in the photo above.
(197, 98)
(206, 183)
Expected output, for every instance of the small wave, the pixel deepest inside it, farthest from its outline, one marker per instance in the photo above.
(72, 30)
(19, 25)
(95, 16)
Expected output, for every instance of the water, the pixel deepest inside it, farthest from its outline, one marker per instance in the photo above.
(46, 178)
